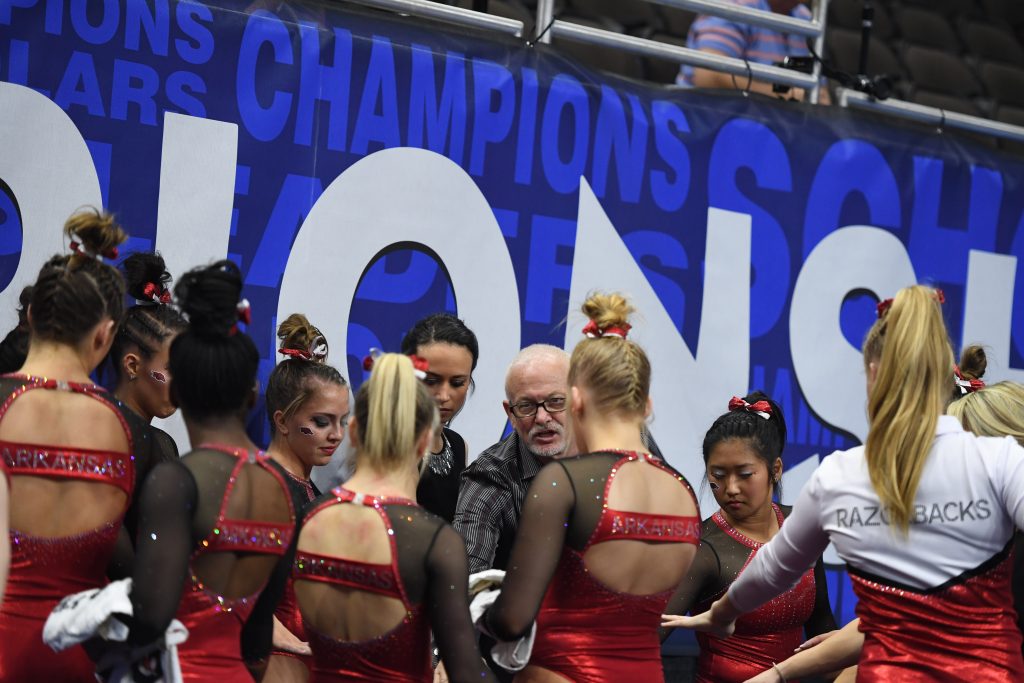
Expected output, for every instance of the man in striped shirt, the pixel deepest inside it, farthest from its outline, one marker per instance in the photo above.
(730, 38)
(494, 486)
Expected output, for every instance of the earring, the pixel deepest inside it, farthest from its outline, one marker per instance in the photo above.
(132, 378)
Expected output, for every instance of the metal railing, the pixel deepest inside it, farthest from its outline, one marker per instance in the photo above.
(548, 27)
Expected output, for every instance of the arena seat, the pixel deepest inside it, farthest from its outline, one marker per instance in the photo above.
(991, 42)
(635, 16)
(1013, 116)
(847, 14)
(844, 53)
(919, 26)
(663, 70)
(597, 57)
(1005, 83)
(940, 72)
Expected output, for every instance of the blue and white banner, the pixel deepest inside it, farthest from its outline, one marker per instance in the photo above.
(367, 170)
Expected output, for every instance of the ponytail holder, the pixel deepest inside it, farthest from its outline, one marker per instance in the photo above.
(966, 386)
(369, 359)
(420, 366)
(244, 312)
(760, 408)
(316, 352)
(155, 294)
(592, 331)
(883, 307)
(80, 248)
(244, 316)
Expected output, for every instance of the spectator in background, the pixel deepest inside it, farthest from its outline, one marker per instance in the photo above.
(730, 38)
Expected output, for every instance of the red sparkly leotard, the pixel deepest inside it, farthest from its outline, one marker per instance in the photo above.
(586, 631)
(303, 493)
(213, 650)
(934, 601)
(427, 574)
(767, 635)
(44, 570)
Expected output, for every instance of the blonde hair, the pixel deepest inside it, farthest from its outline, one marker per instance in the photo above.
(615, 370)
(913, 384)
(996, 410)
(393, 409)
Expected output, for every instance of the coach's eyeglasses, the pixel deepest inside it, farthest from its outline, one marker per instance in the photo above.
(555, 404)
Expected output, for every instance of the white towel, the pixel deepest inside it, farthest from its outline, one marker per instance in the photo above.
(514, 655)
(92, 613)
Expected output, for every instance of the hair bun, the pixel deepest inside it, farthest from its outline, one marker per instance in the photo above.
(209, 296)
(298, 334)
(973, 362)
(776, 417)
(97, 232)
(608, 310)
(141, 269)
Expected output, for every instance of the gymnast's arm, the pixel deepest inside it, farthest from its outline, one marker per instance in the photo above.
(838, 651)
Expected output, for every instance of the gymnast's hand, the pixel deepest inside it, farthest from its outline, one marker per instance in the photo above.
(719, 621)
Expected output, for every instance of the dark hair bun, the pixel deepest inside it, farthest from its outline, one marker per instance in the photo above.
(141, 269)
(97, 232)
(973, 362)
(209, 297)
(776, 419)
(296, 332)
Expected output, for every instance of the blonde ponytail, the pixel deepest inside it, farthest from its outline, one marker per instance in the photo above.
(913, 383)
(392, 408)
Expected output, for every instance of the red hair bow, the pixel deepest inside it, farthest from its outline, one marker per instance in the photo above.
(368, 363)
(156, 293)
(592, 331)
(244, 312)
(80, 248)
(296, 353)
(760, 408)
(883, 307)
(967, 386)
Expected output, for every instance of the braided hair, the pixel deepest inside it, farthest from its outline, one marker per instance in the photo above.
(152, 320)
(766, 437)
(76, 292)
(14, 347)
(615, 370)
(213, 365)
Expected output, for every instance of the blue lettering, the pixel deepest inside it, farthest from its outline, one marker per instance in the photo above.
(152, 17)
(199, 48)
(54, 17)
(746, 145)
(443, 122)
(297, 196)
(564, 176)
(548, 237)
(942, 251)
(324, 84)
(79, 85)
(670, 188)
(630, 147)
(490, 125)
(182, 87)
(17, 62)
(5, 14)
(387, 281)
(263, 123)
(380, 85)
(104, 32)
(527, 137)
(1017, 317)
(850, 167)
(134, 84)
(647, 247)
